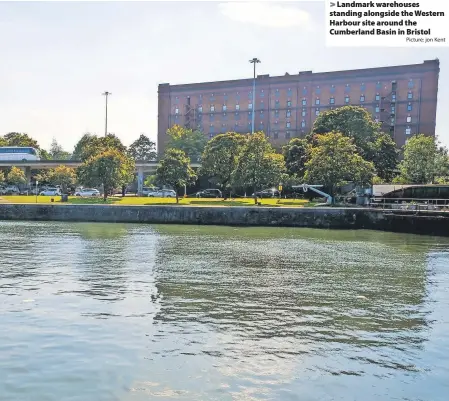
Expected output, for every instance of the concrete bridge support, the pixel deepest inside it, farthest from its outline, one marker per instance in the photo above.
(27, 172)
(140, 178)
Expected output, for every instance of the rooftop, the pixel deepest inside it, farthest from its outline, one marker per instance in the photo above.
(427, 65)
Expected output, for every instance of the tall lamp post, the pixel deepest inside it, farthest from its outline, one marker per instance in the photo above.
(254, 61)
(106, 94)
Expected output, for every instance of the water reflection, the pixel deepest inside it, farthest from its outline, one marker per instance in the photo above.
(101, 260)
(278, 306)
(137, 312)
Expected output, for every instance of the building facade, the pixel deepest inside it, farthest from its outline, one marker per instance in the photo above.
(403, 98)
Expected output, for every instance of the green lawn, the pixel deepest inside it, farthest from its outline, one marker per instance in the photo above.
(134, 200)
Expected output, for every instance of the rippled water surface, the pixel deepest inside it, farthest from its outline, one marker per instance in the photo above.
(105, 312)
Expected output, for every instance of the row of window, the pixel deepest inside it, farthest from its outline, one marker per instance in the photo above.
(317, 90)
(408, 132)
(288, 113)
(224, 107)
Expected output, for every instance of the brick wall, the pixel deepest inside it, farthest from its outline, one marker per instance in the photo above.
(287, 106)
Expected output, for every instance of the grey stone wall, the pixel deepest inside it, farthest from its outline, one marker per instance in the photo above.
(436, 223)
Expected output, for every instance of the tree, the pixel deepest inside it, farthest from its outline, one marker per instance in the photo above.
(3, 141)
(352, 121)
(174, 170)
(295, 155)
(109, 169)
(143, 149)
(18, 139)
(383, 153)
(191, 142)
(16, 176)
(259, 165)
(2, 177)
(334, 161)
(423, 160)
(82, 144)
(62, 175)
(221, 157)
(44, 155)
(150, 181)
(57, 152)
(43, 177)
(91, 145)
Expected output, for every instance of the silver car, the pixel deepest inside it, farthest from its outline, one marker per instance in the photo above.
(87, 192)
(163, 193)
(50, 192)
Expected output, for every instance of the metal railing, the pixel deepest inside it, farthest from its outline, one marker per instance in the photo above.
(414, 204)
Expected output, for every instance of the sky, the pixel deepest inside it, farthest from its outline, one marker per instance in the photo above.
(57, 58)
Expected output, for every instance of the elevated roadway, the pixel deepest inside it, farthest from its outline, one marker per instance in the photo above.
(142, 167)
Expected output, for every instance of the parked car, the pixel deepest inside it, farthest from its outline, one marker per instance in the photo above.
(146, 191)
(163, 193)
(50, 192)
(87, 192)
(10, 190)
(267, 193)
(209, 193)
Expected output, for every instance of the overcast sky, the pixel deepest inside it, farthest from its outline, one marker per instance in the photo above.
(57, 59)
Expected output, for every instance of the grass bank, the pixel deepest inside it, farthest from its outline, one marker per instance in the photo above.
(144, 201)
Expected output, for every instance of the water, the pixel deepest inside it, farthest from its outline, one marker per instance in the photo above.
(98, 312)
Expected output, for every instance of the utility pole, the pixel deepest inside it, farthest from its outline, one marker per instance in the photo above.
(254, 61)
(106, 94)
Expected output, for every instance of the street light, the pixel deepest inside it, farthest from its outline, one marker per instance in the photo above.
(254, 61)
(106, 94)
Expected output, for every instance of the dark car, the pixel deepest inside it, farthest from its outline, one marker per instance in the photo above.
(209, 193)
(267, 193)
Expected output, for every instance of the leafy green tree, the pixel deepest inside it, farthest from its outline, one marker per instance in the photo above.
(423, 160)
(352, 121)
(296, 155)
(259, 165)
(143, 149)
(191, 142)
(63, 176)
(19, 139)
(383, 153)
(44, 155)
(57, 152)
(16, 176)
(85, 141)
(220, 158)
(91, 145)
(174, 170)
(2, 177)
(109, 169)
(150, 181)
(23, 140)
(43, 176)
(334, 161)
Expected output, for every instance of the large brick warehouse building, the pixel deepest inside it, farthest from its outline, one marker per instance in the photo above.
(403, 98)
